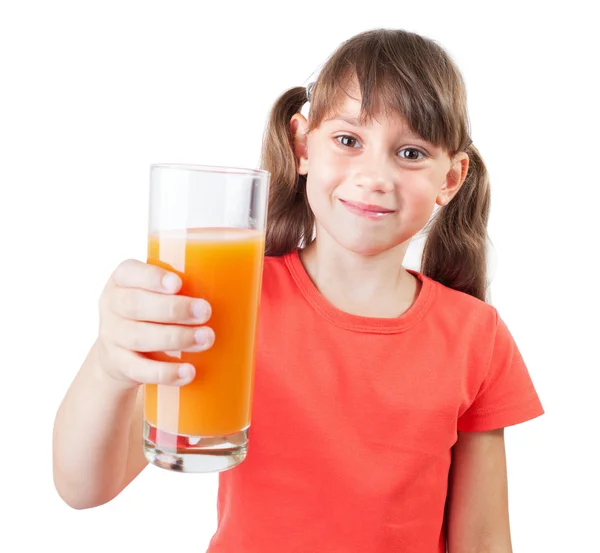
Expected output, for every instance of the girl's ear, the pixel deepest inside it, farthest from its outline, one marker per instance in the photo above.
(455, 177)
(298, 127)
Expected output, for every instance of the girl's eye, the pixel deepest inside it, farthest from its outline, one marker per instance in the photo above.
(412, 153)
(346, 137)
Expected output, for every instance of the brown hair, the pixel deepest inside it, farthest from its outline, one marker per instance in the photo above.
(397, 72)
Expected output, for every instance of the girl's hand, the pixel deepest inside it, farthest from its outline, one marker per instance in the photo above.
(140, 312)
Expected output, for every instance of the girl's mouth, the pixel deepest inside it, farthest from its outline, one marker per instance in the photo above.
(370, 211)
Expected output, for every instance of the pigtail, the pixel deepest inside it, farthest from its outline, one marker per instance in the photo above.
(290, 221)
(455, 251)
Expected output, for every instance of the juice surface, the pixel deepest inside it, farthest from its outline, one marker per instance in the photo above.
(224, 267)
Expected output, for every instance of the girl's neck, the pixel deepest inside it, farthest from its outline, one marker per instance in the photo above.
(368, 286)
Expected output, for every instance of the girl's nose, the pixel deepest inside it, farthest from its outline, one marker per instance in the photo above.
(376, 175)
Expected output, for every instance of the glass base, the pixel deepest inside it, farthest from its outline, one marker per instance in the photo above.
(194, 453)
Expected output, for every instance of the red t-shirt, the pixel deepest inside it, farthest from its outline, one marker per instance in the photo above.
(354, 418)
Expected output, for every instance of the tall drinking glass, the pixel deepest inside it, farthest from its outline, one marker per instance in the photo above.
(207, 224)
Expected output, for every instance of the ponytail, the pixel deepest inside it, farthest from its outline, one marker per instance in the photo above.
(290, 221)
(455, 251)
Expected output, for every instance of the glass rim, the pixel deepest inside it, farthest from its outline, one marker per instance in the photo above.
(210, 168)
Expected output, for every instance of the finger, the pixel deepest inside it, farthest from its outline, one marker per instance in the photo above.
(141, 305)
(132, 273)
(148, 337)
(147, 371)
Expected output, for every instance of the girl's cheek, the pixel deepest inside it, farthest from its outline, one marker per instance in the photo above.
(415, 200)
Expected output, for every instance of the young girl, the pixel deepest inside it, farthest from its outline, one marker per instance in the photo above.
(381, 393)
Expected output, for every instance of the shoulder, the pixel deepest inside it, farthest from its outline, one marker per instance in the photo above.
(463, 310)
(274, 263)
(277, 279)
(275, 269)
(281, 299)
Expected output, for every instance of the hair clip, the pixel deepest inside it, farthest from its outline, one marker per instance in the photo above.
(309, 88)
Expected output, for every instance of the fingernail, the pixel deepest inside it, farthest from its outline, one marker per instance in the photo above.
(201, 309)
(171, 282)
(203, 336)
(185, 372)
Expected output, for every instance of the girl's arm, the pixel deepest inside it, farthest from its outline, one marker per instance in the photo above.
(97, 439)
(477, 514)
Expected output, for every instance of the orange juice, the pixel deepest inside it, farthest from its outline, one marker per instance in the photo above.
(224, 267)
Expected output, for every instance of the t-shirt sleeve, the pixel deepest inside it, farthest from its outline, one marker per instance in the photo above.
(507, 395)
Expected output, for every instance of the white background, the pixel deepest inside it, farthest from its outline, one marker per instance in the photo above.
(92, 93)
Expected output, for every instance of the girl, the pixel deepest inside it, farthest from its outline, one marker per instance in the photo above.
(381, 393)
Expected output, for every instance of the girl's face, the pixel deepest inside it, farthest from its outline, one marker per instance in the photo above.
(373, 187)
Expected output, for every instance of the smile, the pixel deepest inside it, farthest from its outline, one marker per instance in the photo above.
(366, 210)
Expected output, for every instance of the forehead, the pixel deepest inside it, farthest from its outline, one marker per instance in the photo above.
(348, 109)
(346, 102)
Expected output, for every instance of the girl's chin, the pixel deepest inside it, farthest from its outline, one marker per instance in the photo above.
(367, 248)
(364, 242)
